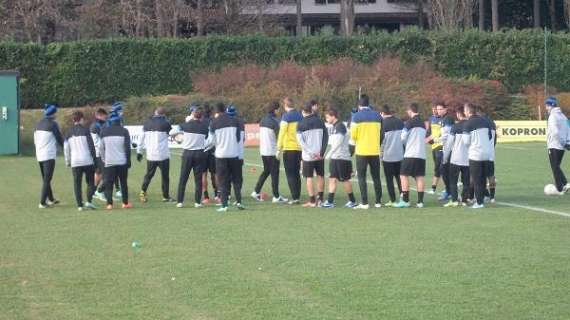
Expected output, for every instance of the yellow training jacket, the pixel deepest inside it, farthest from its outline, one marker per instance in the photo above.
(287, 140)
(365, 131)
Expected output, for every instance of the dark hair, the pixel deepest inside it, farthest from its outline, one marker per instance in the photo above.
(460, 111)
(313, 102)
(77, 116)
(439, 103)
(198, 113)
(207, 109)
(308, 108)
(364, 101)
(333, 112)
(272, 106)
(101, 111)
(414, 107)
(220, 107)
(386, 109)
(469, 106)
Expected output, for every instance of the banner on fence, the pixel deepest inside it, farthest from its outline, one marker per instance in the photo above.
(521, 131)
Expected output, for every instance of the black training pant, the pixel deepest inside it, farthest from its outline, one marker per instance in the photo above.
(555, 156)
(391, 172)
(478, 177)
(292, 164)
(228, 171)
(362, 163)
(46, 168)
(109, 175)
(455, 172)
(192, 160)
(445, 176)
(78, 173)
(164, 167)
(270, 167)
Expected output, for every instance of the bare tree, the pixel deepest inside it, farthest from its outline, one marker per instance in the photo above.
(536, 12)
(495, 14)
(482, 15)
(552, 14)
(420, 7)
(346, 17)
(452, 14)
(567, 12)
(299, 16)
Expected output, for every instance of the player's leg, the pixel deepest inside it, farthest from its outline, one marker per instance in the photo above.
(308, 173)
(267, 166)
(453, 189)
(389, 174)
(199, 166)
(150, 171)
(185, 167)
(237, 179)
(77, 177)
(466, 192)
(275, 180)
(90, 179)
(361, 168)
(320, 171)
(436, 170)
(555, 156)
(123, 174)
(478, 180)
(223, 171)
(108, 182)
(375, 173)
(445, 178)
(329, 203)
(420, 184)
(165, 177)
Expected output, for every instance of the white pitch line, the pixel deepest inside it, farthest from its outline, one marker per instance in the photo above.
(505, 204)
(515, 205)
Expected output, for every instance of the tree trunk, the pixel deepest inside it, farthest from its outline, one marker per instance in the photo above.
(421, 22)
(346, 17)
(482, 15)
(160, 28)
(299, 28)
(200, 18)
(495, 14)
(260, 4)
(536, 13)
(552, 13)
(139, 18)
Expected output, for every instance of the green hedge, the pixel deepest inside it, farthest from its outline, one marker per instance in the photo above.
(79, 73)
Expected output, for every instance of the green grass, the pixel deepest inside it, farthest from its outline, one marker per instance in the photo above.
(282, 262)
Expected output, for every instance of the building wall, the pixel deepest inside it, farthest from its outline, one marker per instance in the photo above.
(310, 7)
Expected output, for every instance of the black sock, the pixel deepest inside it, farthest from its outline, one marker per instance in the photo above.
(321, 196)
(492, 192)
(433, 187)
(351, 197)
(312, 199)
(420, 197)
(331, 197)
(206, 194)
(486, 193)
(406, 196)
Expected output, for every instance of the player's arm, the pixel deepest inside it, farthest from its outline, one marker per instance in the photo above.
(325, 141)
(91, 145)
(354, 132)
(283, 126)
(448, 147)
(102, 149)
(128, 147)
(57, 134)
(67, 152)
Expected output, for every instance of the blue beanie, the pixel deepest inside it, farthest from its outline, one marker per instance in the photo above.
(50, 109)
(551, 101)
(117, 107)
(231, 111)
(193, 108)
(354, 110)
(114, 117)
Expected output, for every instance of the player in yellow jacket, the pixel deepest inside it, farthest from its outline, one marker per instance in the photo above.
(288, 146)
(365, 132)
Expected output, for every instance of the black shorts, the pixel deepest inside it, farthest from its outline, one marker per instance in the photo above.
(490, 167)
(413, 167)
(211, 163)
(340, 169)
(437, 162)
(312, 167)
(99, 165)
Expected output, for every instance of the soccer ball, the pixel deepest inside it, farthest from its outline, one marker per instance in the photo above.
(550, 190)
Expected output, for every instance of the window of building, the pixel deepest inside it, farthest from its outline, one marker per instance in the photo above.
(365, 1)
(325, 2)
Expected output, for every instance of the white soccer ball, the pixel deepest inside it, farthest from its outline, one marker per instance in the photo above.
(550, 190)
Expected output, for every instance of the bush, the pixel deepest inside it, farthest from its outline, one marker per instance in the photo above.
(86, 72)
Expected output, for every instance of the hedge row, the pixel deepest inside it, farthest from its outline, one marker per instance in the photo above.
(79, 73)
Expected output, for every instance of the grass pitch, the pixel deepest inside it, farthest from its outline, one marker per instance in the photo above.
(283, 262)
